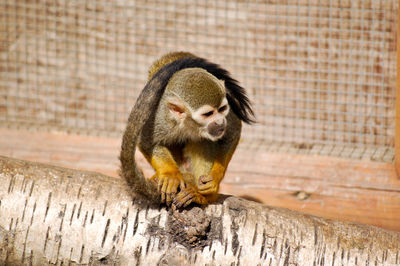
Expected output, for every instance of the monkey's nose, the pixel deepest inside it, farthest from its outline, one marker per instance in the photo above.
(220, 122)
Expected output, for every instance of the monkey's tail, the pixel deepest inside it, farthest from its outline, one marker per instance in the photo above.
(129, 169)
(145, 105)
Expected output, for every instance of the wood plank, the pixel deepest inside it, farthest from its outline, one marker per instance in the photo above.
(352, 190)
(397, 133)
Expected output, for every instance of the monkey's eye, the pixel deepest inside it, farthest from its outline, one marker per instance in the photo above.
(222, 108)
(208, 114)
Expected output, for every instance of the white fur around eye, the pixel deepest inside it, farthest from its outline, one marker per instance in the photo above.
(198, 114)
(224, 103)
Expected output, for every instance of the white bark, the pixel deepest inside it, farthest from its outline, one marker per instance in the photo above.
(53, 215)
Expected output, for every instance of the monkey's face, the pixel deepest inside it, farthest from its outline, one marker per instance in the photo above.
(212, 120)
(207, 121)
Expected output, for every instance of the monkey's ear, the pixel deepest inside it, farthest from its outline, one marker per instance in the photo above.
(176, 107)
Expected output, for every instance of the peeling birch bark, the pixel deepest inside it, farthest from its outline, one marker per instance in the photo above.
(53, 215)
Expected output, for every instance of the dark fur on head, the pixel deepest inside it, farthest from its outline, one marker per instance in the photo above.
(236, 95)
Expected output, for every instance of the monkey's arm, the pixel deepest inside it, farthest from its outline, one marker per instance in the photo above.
(208, 185)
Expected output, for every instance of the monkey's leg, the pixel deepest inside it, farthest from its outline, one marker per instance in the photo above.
(168, 176)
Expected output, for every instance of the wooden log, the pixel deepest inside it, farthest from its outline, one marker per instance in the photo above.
(54, 215)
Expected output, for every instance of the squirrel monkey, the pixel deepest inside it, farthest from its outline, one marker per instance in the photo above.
(187, 124)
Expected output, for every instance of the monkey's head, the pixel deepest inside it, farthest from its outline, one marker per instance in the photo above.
(196, 101)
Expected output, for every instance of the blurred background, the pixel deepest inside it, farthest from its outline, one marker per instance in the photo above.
(321, 76)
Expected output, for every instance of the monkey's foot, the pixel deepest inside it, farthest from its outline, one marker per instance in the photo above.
(167, 185)
(187, 196)
(207, 185)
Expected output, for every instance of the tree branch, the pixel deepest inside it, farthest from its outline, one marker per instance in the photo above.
(53, 215)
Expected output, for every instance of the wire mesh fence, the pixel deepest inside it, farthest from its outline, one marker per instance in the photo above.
(321, 74)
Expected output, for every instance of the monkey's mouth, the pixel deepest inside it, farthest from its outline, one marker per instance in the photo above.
(217, 133)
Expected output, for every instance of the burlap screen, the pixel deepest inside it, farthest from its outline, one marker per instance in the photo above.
(321, 74)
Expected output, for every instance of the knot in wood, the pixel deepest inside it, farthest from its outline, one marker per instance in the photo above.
(189, 227)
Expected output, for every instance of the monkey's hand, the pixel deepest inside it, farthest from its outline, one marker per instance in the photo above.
(188, 195)
(168, 184)
(208, 185)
